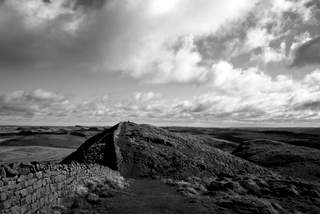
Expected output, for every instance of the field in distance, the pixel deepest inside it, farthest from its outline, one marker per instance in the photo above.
(25, 144)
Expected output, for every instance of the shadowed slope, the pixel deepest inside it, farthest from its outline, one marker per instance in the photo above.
(97, 149)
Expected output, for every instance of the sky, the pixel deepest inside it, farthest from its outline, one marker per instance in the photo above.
(221, 63)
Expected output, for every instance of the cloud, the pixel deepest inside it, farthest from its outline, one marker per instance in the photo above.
(308, 53)
(268, 34)
(302, 8)
(150, 40)
(45, 35)
(258, 37)
(161, 46)
(141, 38)
(37, 103)
(237, 97)
(245, 96)
(312, 106)
(146, 96)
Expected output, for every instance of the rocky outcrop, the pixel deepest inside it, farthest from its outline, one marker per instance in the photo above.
(144, 150)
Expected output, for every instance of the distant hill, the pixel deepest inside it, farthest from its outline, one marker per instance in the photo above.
(145, 150)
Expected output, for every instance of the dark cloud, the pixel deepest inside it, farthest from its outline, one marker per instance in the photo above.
(91, 3)
(116, 37)
(308, 53)
(313, 3)
(49, 44)
(311, 105)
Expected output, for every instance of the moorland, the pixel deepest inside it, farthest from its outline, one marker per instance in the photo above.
(181, 169)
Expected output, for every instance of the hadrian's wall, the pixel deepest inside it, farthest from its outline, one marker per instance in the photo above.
(36, 187)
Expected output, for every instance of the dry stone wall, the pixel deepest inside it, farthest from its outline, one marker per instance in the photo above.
(37, 187)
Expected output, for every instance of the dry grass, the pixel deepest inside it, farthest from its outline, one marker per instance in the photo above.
(93, 191)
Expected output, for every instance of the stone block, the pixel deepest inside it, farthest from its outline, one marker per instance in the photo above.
(30, 189)
(59, 186)
(3, 173)
(43, 211)
(18, 186)
(1, 206)
(15, 210)
(33, 197)
(41, 202)
(10, 172)
(10, 184)
(21, 178)
(52, 187)
(28, 199)
(23, 192)
(23, 209)
(32, 182)
(7, 204)
(16, 197)
(39, 175)
(3, 196)
(25, 184)
(23, 201)
(9, 194)
(39, 183)
(38, 194)
(30, 175)
(34, 206)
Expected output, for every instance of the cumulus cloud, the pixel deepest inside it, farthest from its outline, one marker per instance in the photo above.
(146, 96)
(302, 8)
(161, 47)
(37, 103)
(258, 37)
(248, 97)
